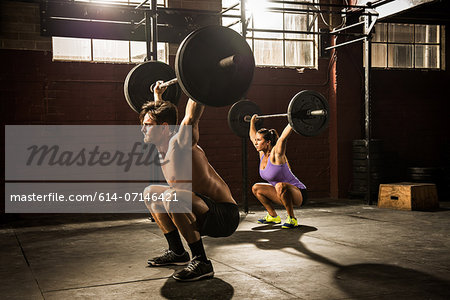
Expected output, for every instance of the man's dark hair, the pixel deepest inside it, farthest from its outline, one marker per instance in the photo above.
(160, 112)
(269, 135)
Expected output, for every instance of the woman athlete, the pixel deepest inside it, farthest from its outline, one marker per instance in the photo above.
(283, 187)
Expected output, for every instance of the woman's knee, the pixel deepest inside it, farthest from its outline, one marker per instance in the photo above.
(281, 188)
(255, 189)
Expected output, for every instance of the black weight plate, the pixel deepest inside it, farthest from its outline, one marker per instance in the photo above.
(363, 162)
(236, 116)
(427, 171)
(362, 175)
(421, 178)
(138, 81)
(374, 148)
(363, 169)
(300, 121)
(364, 155)
(373, 189)
(375, 142)
(197, 66)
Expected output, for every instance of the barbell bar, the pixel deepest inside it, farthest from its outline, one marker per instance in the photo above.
(316, 112)
(307, 114)
(214, 66)
(226, 62)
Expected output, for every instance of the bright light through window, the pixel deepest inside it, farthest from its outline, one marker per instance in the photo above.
(76, 49)
(125, 2)
(256, 6)
(99, 50)
(272, 45)
(71, 49)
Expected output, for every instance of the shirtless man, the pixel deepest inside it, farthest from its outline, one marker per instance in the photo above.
(214, 211)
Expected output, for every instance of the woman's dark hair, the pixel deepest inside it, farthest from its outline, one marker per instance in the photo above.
(270, 135)
(160, 112)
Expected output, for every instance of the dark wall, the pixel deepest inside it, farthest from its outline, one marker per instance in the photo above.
(349, 115)
(409, 113)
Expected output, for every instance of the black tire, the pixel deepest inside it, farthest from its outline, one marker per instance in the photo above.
(363, 162)
(363, 175)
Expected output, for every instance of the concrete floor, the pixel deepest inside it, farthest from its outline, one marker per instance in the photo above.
(343, 250)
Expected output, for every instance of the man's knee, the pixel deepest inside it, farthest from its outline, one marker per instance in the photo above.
(171, 201)
(147, 191)
(151, 194)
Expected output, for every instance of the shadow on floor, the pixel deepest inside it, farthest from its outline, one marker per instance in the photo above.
(357, 280)
(214, 288)
(377, 279)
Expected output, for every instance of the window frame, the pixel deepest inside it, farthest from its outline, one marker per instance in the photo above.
(129, 46)
(92, 60)
(414, 43)
(314, 40)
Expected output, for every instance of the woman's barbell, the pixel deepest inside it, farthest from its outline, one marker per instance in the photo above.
(214, 66)
(307, 114)
(316, 112)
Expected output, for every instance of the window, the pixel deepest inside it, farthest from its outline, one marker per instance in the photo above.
(82, 49)
(271, 41)
(77, 49)
(407, 46)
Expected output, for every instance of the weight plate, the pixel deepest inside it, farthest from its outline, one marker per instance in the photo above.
(362, 175)
(138, 81)
(373, 142)
(236, 116)
(363, 162)
(427, 171)
(363, 169)
(197, 66)
(364, 156)
(297, 113)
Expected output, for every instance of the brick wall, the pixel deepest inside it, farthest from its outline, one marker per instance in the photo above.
(20, 27)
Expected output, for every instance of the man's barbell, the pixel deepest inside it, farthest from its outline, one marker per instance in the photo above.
(307, 114)
(227, 62)
(214, 66)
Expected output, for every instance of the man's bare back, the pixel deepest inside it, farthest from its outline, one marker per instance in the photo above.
(205, 180)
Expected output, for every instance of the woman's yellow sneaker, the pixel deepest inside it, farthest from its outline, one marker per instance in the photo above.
(290, 222)
(268, 219)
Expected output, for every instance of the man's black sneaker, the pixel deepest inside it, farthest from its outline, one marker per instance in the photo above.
(169, 258)
(196, 270)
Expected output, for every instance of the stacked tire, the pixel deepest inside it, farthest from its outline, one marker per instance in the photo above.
(360, 176)
(429, 175)
(445, 194)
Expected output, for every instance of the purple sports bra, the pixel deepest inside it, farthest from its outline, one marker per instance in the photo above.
(279, 173)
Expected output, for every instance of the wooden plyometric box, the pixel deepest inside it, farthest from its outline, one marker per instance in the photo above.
(408, 196)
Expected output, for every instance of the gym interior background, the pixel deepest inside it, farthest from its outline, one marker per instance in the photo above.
(409, 106)
(409, 99)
